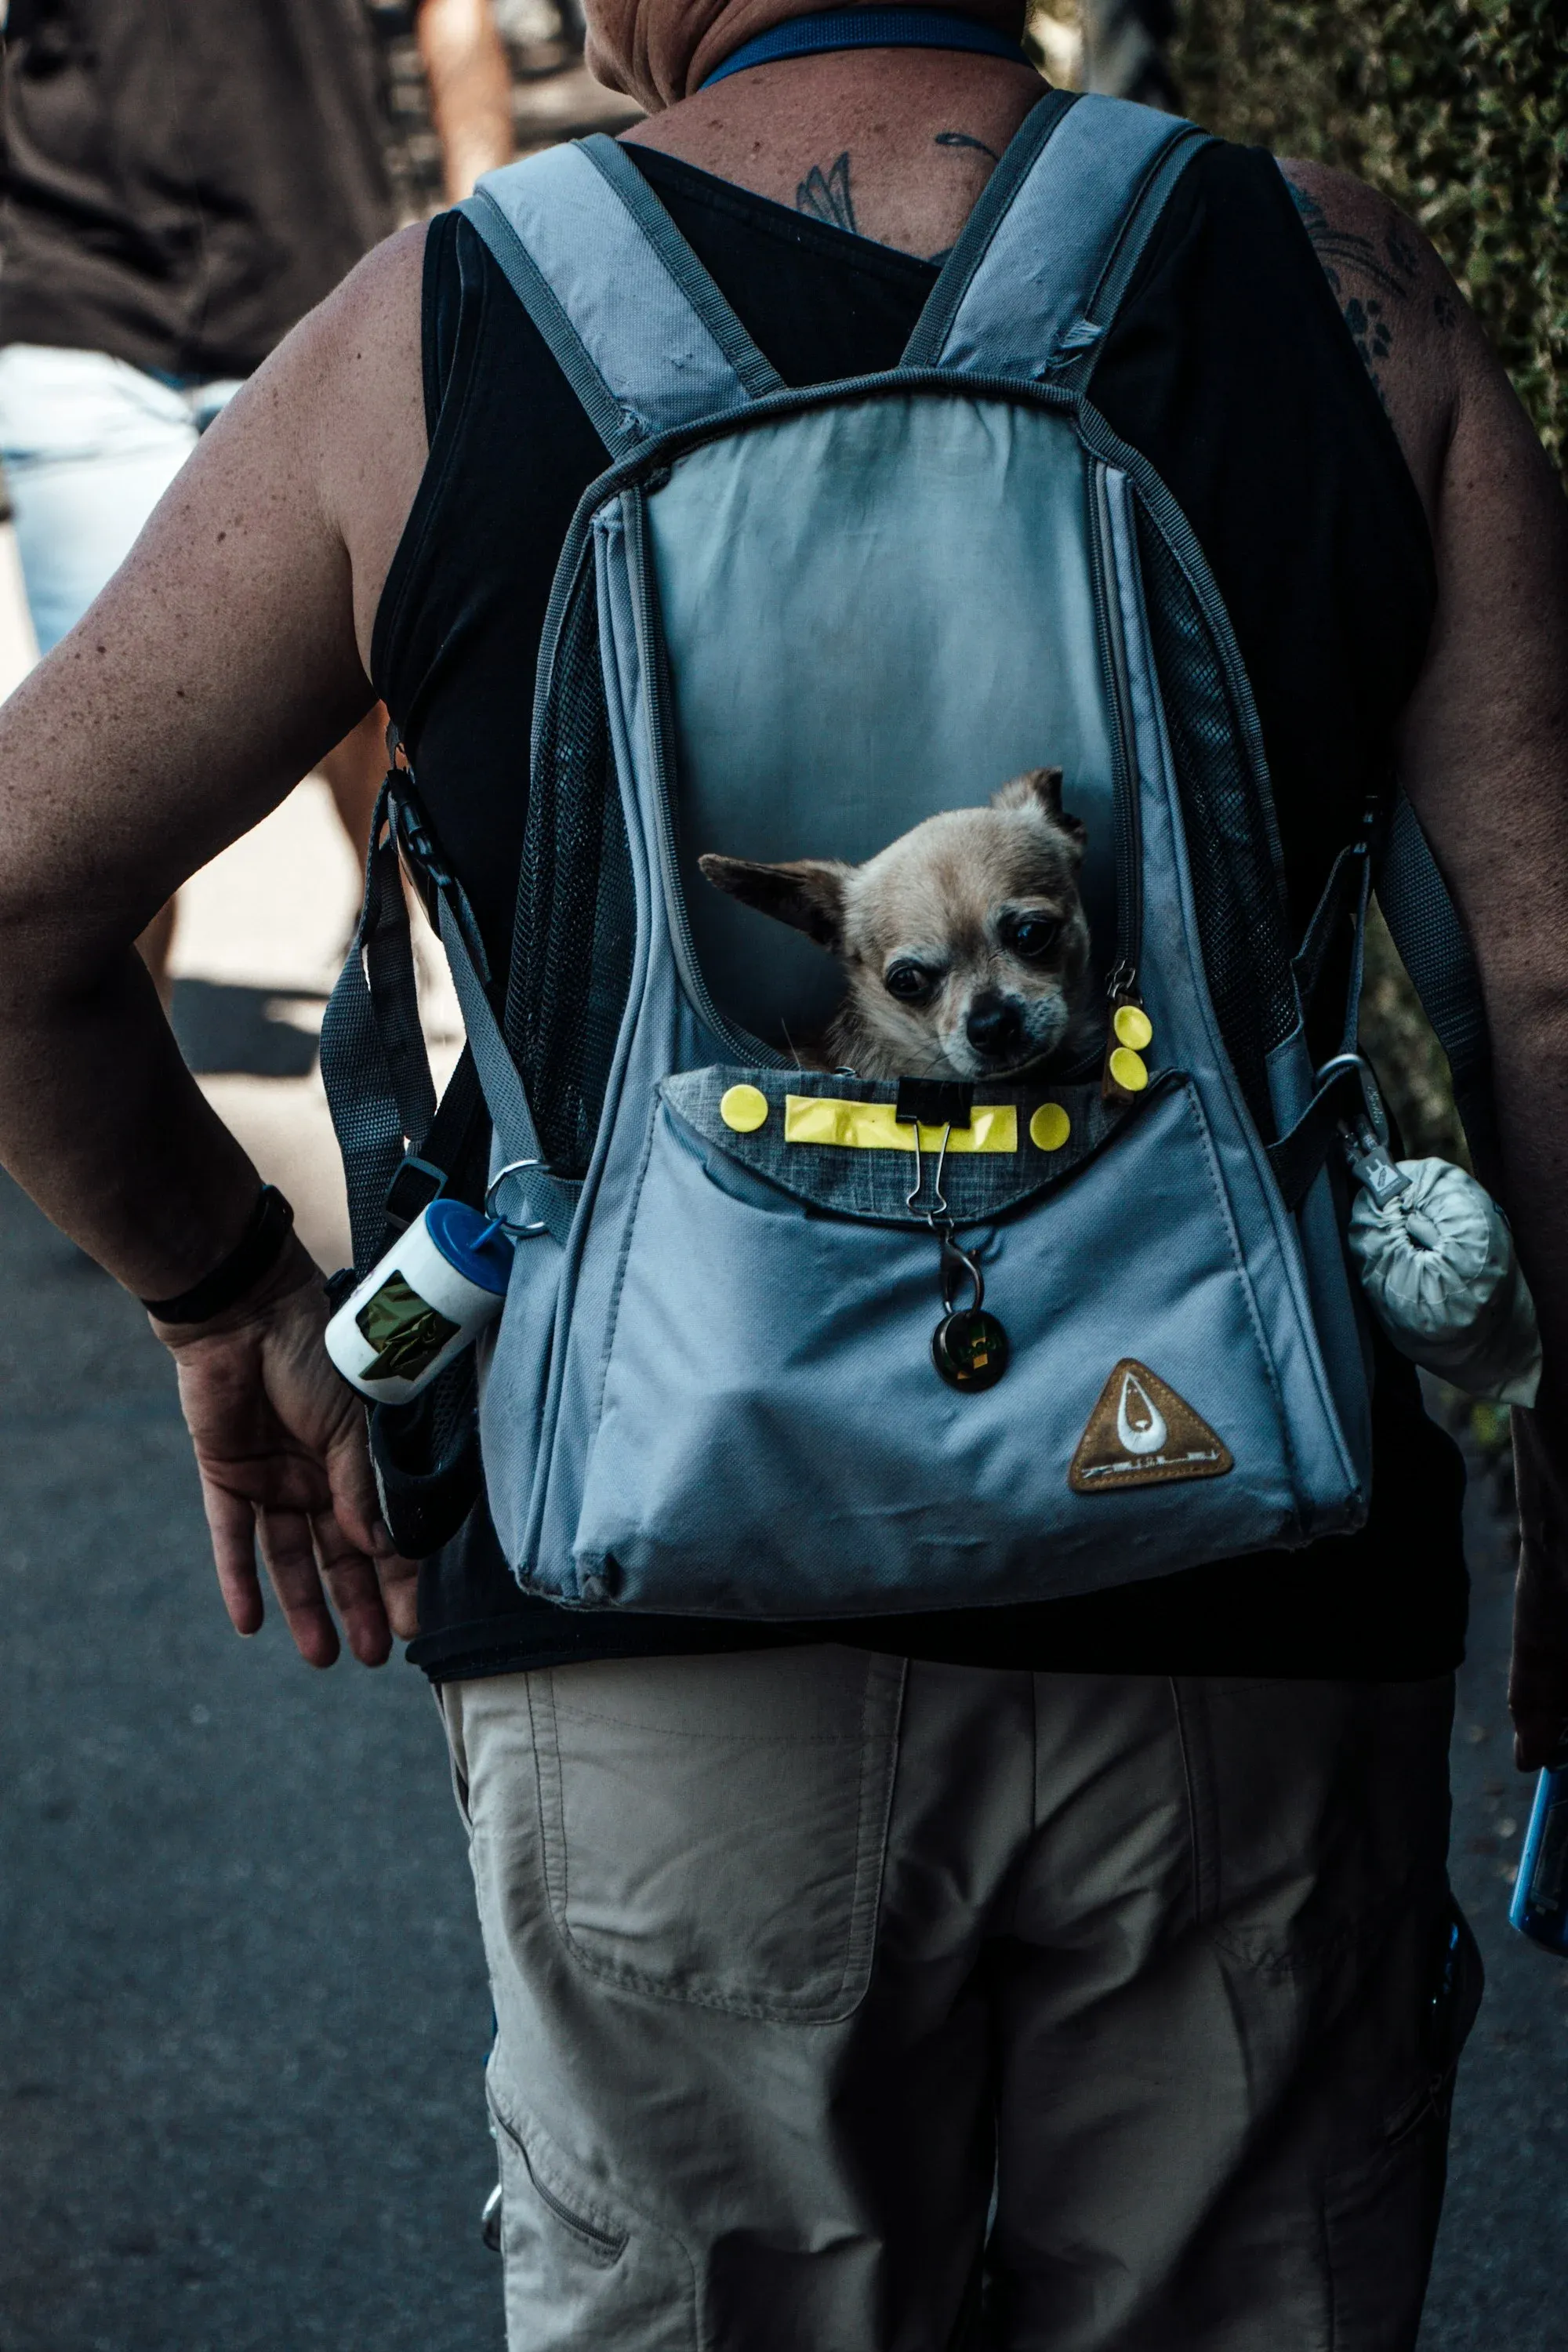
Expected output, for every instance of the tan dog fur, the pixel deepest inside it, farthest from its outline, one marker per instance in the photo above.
(963, 943)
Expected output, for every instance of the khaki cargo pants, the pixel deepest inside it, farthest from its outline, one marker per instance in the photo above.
(852, 2006)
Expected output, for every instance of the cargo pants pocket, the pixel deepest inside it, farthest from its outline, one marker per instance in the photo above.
(714, 1827)
(579, 2269)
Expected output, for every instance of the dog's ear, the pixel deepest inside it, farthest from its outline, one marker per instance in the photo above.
(1042, 788)
(807, 894)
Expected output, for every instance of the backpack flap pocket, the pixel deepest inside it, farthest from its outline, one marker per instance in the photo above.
(838, 1144)
(774, 1439)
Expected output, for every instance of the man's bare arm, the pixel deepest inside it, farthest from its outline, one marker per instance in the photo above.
(1484, 757)
(223, 659)
(217, 666)
(1485, 760)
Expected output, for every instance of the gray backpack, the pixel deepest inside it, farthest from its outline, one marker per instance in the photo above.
(795, 622)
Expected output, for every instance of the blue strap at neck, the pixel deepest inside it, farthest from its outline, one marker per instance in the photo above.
(868, 28)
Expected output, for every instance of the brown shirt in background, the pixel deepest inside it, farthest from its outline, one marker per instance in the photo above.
(185, 179)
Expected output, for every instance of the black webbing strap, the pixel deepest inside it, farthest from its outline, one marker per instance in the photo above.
(1435, 951)
(400, 1149)
(374, 1064)
(426, 1454)
(445, 1145)
(1297, 1154)
(398, 1145)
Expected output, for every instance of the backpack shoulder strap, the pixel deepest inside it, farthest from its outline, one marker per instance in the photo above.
(1435, 949)
(1038, 273)
(638, 326)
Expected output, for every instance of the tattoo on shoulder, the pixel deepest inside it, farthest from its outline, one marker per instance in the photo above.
(827, 196)
(1389, 269)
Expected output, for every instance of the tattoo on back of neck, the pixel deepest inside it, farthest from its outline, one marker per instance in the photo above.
(827, 196)
(962, 138)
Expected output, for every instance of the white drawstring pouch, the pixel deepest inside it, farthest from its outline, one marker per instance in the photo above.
(1439, 1267)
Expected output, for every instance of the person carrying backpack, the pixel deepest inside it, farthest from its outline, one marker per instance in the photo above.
(960, 1857)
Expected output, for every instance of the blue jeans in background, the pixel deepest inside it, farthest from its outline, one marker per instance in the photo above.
(89, 444)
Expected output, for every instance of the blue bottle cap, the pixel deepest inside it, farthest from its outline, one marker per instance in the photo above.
(470, 1243)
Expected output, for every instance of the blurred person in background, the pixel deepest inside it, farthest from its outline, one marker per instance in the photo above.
(182, 183)
(1125, 50)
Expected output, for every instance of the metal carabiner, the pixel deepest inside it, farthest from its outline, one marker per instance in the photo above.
(1377, 1115)
(1365, 1138)
(519, 1233)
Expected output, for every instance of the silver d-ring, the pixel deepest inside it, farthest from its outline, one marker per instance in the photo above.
(1377, 1117)
(518, 1232)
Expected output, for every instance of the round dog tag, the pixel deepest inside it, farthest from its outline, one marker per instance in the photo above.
(970, 1349)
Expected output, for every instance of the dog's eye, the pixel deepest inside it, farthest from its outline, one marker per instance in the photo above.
(1033, 936)
(907, 981)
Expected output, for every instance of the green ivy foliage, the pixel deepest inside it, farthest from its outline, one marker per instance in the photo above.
(1456, 109)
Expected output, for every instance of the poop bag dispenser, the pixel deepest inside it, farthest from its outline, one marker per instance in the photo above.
(423, 1303)
(1439, 1265)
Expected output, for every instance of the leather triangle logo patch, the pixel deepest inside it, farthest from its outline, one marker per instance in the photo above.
(1141, 1434)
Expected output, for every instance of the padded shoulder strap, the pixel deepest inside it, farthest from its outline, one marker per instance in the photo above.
(638, 326)
(1035, 281)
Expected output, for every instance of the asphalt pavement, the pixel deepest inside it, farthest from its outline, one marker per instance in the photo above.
(245, 2006)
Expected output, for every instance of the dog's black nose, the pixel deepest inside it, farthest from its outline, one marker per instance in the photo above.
(995, 1026)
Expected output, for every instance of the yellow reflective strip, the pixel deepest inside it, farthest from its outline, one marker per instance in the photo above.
(872, 1127)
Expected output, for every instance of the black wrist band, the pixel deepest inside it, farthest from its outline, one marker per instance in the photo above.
(254, 1254)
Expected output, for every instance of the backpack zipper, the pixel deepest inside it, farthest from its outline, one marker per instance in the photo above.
(1121, 988)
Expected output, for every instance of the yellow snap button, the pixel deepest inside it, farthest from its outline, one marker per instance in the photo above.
(1128, 1069)
(744, 1108)
(1050, 1127)
(1132, 1026)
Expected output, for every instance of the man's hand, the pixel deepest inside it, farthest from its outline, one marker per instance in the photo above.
(281, 1444)
(1537, 1684)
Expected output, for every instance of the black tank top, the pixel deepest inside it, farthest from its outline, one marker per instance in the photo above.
(1231, 370)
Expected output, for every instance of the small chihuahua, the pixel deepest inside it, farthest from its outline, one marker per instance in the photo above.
(964, 943)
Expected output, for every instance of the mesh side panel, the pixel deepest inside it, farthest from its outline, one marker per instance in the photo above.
(1241, 923)
(576, 910)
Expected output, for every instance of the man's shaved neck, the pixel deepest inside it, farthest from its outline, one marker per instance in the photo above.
(891, 144)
